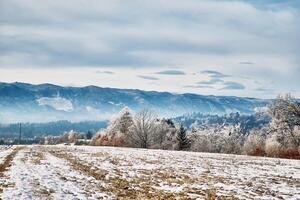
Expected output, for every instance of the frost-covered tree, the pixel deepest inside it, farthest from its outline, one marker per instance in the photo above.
(285, 113)
(143, 129)
(125, 121)
(182, 140)
(67, 137)
(273, 148)
(233, 140)
(165, 135)
(204, 139)
(217, 139)
(255, 143)
(72, 136)
(117, 131)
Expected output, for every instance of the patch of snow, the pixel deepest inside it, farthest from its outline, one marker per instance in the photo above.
(58, 103)
(115, 104)
(169, 188)
(91, 109)
(5, 150)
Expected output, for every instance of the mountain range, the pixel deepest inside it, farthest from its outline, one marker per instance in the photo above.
(23, 102)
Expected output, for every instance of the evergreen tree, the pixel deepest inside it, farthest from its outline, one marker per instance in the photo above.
(183, 141)
(89, 135)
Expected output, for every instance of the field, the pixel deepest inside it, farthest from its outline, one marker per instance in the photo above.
(80, 172)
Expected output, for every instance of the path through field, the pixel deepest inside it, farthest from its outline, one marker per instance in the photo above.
(80, 172)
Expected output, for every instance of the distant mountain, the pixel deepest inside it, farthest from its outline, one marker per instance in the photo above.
(22, 102)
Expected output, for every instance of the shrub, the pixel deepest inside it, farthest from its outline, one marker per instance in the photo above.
(273, 147)
(254, 144)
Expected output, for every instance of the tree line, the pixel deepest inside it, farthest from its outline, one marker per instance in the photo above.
(32, 130)
(279, 136)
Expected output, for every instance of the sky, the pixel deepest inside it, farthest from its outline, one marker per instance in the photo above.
(232, 48)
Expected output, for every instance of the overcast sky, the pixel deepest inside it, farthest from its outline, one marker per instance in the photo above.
(242, 48)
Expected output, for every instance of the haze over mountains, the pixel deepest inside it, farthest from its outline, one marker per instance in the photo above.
(22, 102)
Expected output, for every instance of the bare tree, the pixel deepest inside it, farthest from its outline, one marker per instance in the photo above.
(143, 129)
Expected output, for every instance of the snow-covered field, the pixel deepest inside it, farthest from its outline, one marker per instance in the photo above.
(73, 172)
(4, 151)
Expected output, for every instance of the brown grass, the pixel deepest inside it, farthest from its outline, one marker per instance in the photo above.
(118, 186)
(140, 187)
(289, 153)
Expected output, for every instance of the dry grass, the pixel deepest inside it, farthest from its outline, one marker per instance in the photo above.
(145, 186)
(124, 173)
(118, 186)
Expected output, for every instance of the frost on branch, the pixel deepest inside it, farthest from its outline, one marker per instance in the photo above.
(276, 134)
(284, 128)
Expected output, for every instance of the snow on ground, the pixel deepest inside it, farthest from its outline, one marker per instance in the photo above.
(36, 174)
(82, 172)
(4, 151)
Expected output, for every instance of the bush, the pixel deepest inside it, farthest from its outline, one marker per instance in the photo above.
(254, 144)
(273, 147)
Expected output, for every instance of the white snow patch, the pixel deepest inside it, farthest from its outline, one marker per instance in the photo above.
(174, 188)
(5, 150)
(58, 103)
(115, 104)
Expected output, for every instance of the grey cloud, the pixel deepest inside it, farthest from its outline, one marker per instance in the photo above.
(148, 77)
(211, 81)
(261, 89)
(233, 86)
(257, 82)
(104, 72)
(214, 74)
(60, 52)
(246, 63)
(171, 72)
(199, 86)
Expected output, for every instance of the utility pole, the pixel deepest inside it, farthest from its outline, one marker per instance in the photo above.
(20, 132)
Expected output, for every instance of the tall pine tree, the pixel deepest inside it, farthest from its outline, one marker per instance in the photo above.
(183, 141)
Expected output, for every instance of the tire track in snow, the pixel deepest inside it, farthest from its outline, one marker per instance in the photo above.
(188, 173)
(5, 165)
(37, 174)
(8, 159)
(117, 185)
